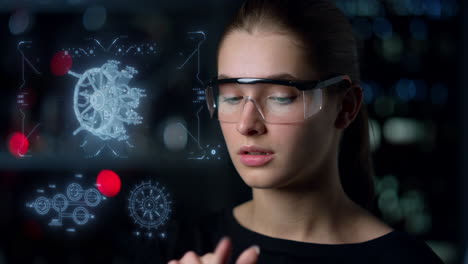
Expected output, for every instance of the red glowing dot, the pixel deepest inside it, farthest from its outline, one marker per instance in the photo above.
(18, 144)
(61, 63)
(108, 183)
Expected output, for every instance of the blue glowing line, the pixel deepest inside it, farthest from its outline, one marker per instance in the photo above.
(197, 50)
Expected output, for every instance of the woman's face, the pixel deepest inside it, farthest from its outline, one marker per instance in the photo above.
(299, 151)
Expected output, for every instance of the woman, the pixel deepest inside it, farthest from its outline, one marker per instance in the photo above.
(301, 144)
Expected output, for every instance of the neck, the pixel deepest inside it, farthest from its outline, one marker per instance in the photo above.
(310, 213)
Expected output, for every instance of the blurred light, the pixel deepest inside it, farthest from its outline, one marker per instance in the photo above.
(433, 8)
(405, 89)
(108, 183)
(19, 22)
(18, 144)
(362, 28)
(368, 8)
(400, 7)
(390, 206)
(449, 8)
(392, 48)
(388, 200)
(375, 134)
(403, 131)
(175, 134)
(387, 182)
(447, 251)
(371, 90)
(408, 90)
(384, 106)
(419, 223)
(383, 28)
(350, 7)
(61, 63)
(415, 7)
(412, 202)
(439, 94)
(368, 93)
(94, 18)
(418, 29)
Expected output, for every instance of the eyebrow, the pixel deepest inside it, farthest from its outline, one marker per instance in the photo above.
(277, 76)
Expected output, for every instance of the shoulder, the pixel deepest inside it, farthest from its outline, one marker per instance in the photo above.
(400, 247)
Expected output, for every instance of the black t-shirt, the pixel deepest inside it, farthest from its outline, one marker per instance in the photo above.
(394, 247)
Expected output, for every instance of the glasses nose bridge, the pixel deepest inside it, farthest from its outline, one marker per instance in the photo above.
(255, 103)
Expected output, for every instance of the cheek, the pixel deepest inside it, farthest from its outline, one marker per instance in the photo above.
(230, 134)
(303, 143)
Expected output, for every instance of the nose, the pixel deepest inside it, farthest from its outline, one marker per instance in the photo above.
(251, 121)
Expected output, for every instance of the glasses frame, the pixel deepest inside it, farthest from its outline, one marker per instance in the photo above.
(300, 85)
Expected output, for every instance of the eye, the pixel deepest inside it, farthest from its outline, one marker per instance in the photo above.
(283, 100)
(232, 100)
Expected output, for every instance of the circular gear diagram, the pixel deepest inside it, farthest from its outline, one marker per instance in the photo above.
(103, 102)
(149, 205)
(42, 205)
(74, 192)
(92, 197)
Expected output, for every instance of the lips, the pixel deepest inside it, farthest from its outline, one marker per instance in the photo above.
(254, 156)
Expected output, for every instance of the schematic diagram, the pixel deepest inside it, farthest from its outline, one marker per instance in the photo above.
(19, 143)
(150, 208)
(104, 103)
(202, 151)
(75, 204)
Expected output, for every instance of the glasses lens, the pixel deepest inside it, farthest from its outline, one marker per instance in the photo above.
(277, 103)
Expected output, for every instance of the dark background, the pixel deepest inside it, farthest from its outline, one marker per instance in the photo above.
(413, 65)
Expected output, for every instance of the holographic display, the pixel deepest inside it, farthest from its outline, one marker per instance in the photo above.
(202, 151)
(105, 99)
(76, 204)
(23, 101)
(150, 207)
(104, 102)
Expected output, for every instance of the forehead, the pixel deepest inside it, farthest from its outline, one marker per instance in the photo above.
(243, 54)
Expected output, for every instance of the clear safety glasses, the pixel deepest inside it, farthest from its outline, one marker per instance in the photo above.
(277, 101)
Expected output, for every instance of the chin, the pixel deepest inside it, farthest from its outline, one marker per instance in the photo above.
(262, 178)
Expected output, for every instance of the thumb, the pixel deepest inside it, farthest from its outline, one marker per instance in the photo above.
(249, 256)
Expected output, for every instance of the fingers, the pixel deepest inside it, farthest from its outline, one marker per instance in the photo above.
(249, 256)
(189, 258)
(222, 251)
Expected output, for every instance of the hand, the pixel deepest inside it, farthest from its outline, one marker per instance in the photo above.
(220, 256)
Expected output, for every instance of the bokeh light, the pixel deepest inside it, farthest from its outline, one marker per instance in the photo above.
(61, 63)
(175, 135)
(392, 48)
(108, 183)
(94, 18)
(19, 22)
(403, 131)
(375, 134)
(383, 28)
(18, 144)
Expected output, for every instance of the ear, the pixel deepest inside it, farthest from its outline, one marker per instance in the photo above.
(348, 106)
